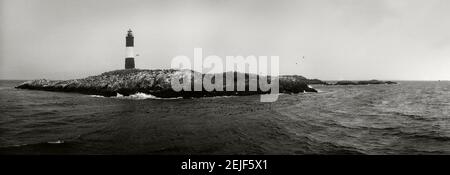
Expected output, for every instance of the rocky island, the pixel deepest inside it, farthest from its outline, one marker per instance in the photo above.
(157, 83)
(303, 79)
(363, 82)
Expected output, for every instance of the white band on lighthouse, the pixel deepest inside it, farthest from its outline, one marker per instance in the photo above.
(130, 52)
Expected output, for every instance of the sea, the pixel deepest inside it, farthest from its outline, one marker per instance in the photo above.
(406, 118)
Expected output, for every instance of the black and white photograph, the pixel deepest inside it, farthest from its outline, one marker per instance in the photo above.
(224, 77)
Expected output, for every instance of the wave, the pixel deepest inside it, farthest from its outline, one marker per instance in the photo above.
(5, 88)
(56, 142)
(143, 96)
(97, 96)
(136, 96)
(40, 144)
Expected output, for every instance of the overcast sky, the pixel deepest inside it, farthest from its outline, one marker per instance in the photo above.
(340, 39)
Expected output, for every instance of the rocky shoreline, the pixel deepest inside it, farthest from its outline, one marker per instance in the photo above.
(155, 82)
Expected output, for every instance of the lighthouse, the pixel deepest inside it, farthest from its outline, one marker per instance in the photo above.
(129, 58)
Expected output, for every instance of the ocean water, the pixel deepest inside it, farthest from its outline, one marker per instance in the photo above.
(408, 118)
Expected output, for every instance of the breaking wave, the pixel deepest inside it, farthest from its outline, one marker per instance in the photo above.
(136, 96)
(97, 96)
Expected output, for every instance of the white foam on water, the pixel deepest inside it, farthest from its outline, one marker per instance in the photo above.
(137, 96)
(97, 96)
(142, 96)
(56, 142)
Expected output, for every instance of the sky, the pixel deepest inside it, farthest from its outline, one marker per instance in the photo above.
(340, 39)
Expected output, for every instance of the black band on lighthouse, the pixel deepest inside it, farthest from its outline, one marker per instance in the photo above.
(130, 39)
(129, 63)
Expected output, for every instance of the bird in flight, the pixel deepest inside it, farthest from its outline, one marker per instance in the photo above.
(303, 57)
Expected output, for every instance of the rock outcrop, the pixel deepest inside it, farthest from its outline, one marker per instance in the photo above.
(157, 83)
(303, 79)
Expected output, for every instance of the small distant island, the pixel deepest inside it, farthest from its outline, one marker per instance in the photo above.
(363, 82)
(155, 82)
(343, 82)
(306, 80)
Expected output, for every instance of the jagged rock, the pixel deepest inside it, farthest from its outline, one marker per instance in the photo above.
(157, 83)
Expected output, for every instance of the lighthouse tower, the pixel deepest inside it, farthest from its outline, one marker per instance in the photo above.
(129, 58)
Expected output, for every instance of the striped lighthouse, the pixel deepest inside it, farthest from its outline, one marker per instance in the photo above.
(129, 58)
